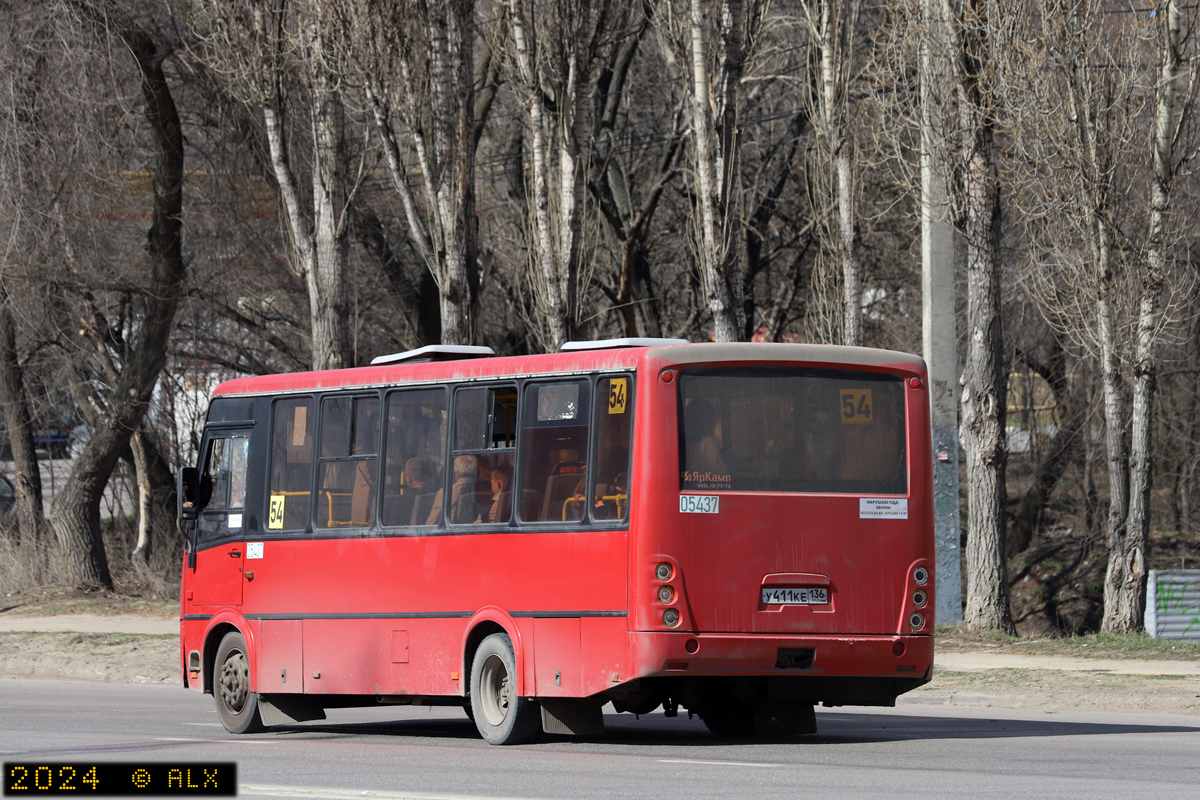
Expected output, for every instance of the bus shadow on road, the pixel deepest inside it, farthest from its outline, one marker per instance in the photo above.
(832, 729)
(835, 728)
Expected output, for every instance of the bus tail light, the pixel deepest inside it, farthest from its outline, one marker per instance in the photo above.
(916, 621)
(921, 576)
(666, 595)
(920, 598)
(664, 571)
(670, 618)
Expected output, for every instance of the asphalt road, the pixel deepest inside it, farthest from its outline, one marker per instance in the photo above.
(912, 751)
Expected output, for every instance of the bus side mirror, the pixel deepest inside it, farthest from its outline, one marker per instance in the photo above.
(186, 490)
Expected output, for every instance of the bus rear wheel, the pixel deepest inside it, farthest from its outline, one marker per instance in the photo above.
(237, 706)
(729, 719)
(500, 715)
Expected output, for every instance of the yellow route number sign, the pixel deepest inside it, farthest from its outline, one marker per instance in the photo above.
(857, 408)
(618, 395)
(275, 519)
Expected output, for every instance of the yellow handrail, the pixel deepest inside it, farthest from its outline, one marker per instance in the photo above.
(615, 498)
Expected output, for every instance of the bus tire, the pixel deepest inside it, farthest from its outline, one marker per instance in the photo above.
(501, 716)
(729, 719)
(237, 706)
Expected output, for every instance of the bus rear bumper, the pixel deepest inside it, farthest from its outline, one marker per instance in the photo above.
(682, 653)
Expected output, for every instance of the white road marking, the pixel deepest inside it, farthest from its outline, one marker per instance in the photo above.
(213, 741)
(716, 763)
(204, 724)
(342, 794)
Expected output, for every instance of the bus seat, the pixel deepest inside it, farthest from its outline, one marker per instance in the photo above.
(558, 489)
(531, 500)
(398, 508)
(421, 508)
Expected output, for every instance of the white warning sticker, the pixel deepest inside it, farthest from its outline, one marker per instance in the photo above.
(883, 508)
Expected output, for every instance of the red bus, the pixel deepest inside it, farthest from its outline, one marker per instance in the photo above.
(739, 530)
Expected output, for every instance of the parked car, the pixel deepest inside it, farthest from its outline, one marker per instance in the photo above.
(55, 441)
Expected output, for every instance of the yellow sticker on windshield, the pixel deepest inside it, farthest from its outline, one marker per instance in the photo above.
(275, 518)
(856, 406)
(617, 395)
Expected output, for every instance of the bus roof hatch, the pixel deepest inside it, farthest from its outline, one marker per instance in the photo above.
(435, 352)
(628, 341)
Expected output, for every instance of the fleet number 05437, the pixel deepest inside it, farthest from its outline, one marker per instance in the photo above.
(699, 503)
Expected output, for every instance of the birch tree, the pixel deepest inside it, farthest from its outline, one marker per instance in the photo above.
(832, 26)
(416, 68)
(556, 53)
(1099, 274)
(1125, 578)
(716, 59)
(270, 51)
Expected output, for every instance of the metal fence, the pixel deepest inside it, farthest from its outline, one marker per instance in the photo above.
(1173, 604)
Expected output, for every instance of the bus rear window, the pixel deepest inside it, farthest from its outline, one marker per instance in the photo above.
(780, 429)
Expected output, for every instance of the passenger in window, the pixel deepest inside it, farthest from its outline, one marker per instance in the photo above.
(416, 475)
(704, 438)
(462, 494)
(501, 506)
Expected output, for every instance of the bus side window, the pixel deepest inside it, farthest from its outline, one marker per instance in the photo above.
(554, 450)
(349, 458)
(414, 448)
(222, 491)
(485, 425)
(291, 465)
(614, 429)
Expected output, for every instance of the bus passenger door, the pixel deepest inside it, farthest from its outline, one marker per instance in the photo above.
(220, 546)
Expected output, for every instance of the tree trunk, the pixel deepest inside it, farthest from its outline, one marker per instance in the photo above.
(835, 31)
(27, 476)
(327, 276)
(715, 138)
(145, 524)
(983, 379)
(450, 182)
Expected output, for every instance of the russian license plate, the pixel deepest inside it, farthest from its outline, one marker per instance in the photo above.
(794, 597)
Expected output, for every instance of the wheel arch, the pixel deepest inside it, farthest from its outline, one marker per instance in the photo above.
(483, 624)
(217, 629)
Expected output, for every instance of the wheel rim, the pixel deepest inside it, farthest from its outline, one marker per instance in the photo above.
(235, 682)
(495, 690)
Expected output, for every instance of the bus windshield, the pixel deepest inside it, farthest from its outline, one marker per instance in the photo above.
(786, 429)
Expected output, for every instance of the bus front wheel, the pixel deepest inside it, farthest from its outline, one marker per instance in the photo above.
(500, 715)
(237, 706)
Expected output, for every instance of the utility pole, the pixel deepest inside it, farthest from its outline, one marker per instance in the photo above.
(938, 326)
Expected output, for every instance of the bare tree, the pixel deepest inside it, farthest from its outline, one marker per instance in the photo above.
(833, 24)
(1125, 579)
(263, 48)
(415, 66)
(556, 54)
(1088, 110)
(141, 352)
(716, 62)
(974, 26)
(19, 146)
